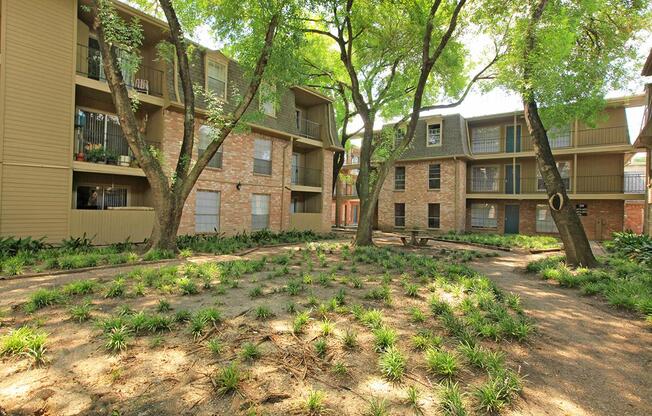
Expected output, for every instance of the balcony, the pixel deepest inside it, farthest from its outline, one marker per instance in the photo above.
(146, 80)
(629, 183)
(303, 176)
(308, 128)
(558, 140)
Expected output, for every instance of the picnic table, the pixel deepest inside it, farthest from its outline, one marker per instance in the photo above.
(414, 239)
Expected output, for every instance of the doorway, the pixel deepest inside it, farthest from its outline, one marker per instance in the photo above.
(512, 179)
(513, 141)
(511, 219)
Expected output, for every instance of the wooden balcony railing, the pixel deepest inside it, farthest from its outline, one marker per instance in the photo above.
(146, 79)
(306, 176)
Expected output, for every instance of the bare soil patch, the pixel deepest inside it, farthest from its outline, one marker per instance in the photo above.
(172, 372)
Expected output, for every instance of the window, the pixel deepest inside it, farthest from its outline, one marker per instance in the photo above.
(433, 215)
(101, 197)
(206, 138)
(399, 178)
(399, 135)
(267, 99)
(485, 139)
(207, 212)
(216, 78)
(263, 156)
(559, 136)
(259, 211)
(544, 221)
(484, 179)
(434, 135)
(484, 216)
(399, 215)
(564, 170)
(434, 176)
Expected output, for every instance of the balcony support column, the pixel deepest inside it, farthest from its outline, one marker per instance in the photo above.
(574, 167)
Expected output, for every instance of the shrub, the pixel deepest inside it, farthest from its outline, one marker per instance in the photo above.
(117, 339)
(392, 364)
(26, 341)
(315, 402)
(81, 313)
(442, 363)
(384, 338)
(42, 298)
(227, 379)
(450, 400)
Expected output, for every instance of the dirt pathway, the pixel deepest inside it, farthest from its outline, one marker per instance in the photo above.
(587, 359)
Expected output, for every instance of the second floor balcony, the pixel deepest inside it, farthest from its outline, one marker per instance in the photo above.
(304, 176)
(627, 183)
(146, 79)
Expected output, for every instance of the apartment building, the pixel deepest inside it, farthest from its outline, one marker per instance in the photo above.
(644, 142)
(480, 174)
(66, 169)
(345, 194)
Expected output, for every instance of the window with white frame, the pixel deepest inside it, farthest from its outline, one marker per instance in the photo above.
(101, 197)
(484, 178)
(434, 135)
(484, 216)
(433, 215)
(207, 212)
(485, 139)
(399, 215)
(267, 94)
(206, 137)
(263, 156)
(559, 136)
(564, 168)
(399, 178)
(216, 78)
(259, 211)
(434, 176)
(544, 220)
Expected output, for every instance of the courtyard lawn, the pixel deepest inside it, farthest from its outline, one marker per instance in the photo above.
(624, 277)
(321, 329)
(23, 256)
(536, 242)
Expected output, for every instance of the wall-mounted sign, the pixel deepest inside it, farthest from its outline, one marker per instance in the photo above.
(582, 209)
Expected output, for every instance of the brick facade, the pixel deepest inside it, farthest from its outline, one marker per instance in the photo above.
(603, 218)
(237, 168)
(416, 196)
(634, 216)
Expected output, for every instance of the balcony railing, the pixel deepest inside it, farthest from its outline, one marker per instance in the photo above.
(585, 137)
(629, 183)
(306, 176)
(146, 80)
(603, 136)
(308, 128)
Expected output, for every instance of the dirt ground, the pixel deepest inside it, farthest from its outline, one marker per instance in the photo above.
(586, 359)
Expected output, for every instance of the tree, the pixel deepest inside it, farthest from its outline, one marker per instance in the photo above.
(392, 57)
(260, 35)
(563, 58)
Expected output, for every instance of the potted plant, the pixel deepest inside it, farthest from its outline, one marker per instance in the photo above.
(111, 157)
(124, 160)
(80, 156)
(95, 154)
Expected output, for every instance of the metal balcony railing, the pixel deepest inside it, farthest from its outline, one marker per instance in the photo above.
(308, 128)
(306, 176)
(629, 183)
(146, 79)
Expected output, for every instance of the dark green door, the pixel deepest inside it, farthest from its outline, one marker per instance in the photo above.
(511, 219)
(512, 179)
(513, 142)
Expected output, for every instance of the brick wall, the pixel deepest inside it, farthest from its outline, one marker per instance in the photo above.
(603, 218)
(634, 216)
(417, 196)
(237, 167)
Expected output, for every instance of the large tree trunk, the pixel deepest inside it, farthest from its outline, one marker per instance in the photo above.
(338, 162)
(364, 232)
(338, 204)
(576, 244)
